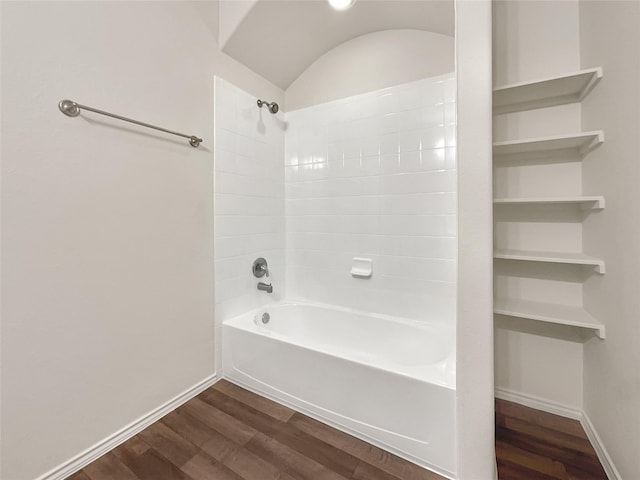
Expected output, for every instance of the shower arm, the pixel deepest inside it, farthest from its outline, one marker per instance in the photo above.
(272, 107)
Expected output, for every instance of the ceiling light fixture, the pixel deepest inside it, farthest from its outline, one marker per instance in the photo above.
(341, 4)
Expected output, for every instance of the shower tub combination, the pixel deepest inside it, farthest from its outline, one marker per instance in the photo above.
(387, 380)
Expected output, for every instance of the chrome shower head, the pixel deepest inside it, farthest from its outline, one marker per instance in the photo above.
(273, 106)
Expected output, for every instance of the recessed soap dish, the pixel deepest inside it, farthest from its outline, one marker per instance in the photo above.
(362, 267)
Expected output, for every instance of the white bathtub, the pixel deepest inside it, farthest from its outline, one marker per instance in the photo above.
(387, 380)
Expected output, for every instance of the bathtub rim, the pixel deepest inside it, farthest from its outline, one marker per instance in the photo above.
(448, 363)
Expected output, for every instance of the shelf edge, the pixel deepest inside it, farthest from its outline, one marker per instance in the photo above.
(592, 140)
(596, 263)
(596, 142)
(592, 83)
(598, 328)
(596, 70)
(591, 202)
(595, 74)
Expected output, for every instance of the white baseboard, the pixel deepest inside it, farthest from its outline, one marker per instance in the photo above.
(609, 468)
(539, 403)
(92, 453)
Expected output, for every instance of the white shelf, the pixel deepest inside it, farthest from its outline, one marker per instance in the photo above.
(592, 202)
(549, 312)
(545, 92)
(582, 143)
(551, 257)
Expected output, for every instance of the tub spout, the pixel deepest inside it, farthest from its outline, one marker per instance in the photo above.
(265, 287)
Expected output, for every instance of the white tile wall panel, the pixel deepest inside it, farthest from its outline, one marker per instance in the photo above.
(418, 182)
(249, 203)
(372, 175)
(419, 204)
(375, 175)
(410, 297)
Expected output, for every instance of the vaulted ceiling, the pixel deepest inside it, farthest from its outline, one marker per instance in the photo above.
(279, 39)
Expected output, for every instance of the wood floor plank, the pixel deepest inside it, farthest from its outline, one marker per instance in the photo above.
(79, 476)
(286, 476)
(545, 435)
(203, 467)
(532, 461)
(371, 454)
(109, 467)
(249, 416)
(289, 460)
(257, 402)
(553, 437)
(169, 444)
(537, 417)
(325, 454)
(228, 433)
(513, 471)
(151, 465)
(219, 447)
(365, 471)
(236, 459)
(132, 448)
(218, 420)
(250, 466)
(577, 459)
(576, 473)
(188, 427)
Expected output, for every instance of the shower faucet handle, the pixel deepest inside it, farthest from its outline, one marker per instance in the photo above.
(260, 268)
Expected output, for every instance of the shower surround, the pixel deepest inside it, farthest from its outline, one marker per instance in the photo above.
(249, 211)
(373, 176)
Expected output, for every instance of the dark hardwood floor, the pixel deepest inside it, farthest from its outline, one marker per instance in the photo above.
(228, 433)
(531, 444)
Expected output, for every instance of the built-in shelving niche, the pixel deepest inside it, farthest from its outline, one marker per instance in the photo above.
(542, 93)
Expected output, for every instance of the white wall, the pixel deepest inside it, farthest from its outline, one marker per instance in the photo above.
(374, 176)
(107, 238)
(474, 372)
(248, 203)
(533, 40)
(371, 62)
(610, 37)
